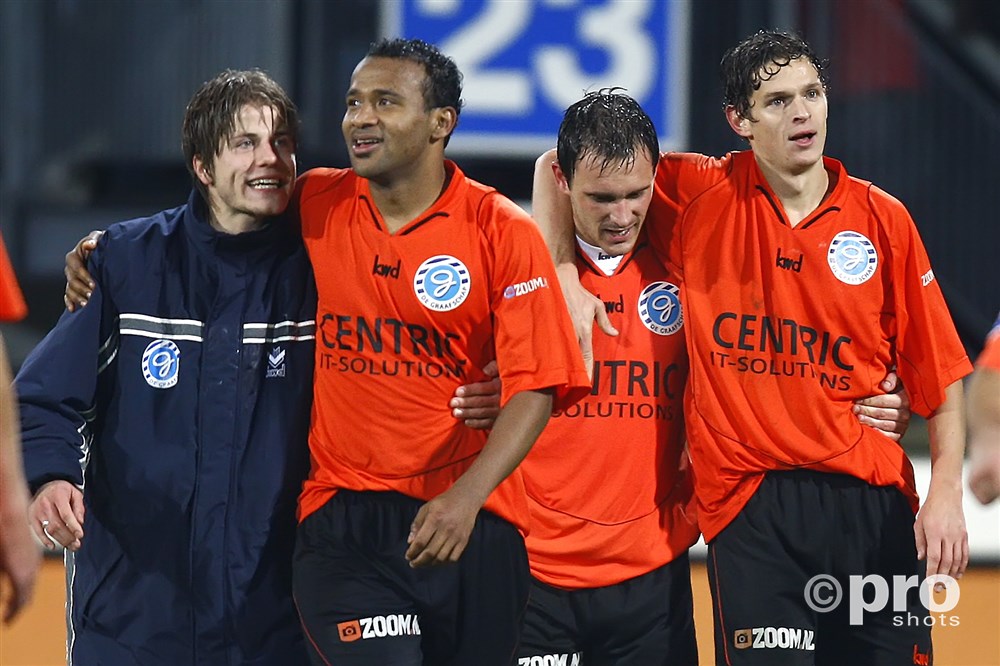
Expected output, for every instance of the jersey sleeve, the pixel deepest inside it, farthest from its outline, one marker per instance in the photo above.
(534, 339)
(929, 353)
(12, 305)
(680, 178)
(57, 386)
(310, 185)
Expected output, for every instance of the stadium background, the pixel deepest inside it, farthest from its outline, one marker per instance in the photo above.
(92, 93)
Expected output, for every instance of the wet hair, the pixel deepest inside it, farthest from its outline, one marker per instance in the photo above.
(210, 117)
(443, 85)
(608, 127)
(758, 58)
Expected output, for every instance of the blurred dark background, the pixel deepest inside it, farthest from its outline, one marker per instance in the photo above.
(92, 93)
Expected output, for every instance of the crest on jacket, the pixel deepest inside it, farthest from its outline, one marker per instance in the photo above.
(161, 363)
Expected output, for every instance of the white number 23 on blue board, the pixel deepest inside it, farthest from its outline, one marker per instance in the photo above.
(525, 61)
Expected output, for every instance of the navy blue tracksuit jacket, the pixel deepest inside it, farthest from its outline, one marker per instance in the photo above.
(179, 399)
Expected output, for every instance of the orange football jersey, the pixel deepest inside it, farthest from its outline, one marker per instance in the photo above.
(787, 326)
(608, 484)
(405, 318)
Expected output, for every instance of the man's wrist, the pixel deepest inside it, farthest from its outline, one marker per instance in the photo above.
(946, 483)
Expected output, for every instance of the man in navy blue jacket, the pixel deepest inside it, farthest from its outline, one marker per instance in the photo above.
(169, 416)
(167, 420)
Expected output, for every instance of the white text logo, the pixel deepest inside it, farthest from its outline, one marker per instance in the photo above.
(379, 626)
(522, 288)
(823, 593)
(786, 638)
(551, 660)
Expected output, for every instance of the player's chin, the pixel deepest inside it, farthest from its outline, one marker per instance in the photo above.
(620, 247)
(274, 206)
(363, 166)
(629, 245)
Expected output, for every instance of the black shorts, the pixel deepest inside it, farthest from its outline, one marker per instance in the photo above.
(799, 532)
(643, 621)
(361, 603)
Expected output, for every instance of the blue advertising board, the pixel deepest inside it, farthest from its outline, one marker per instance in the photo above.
(525, 61)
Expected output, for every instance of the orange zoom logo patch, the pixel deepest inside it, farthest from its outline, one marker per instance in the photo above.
(742, 638)
(349, 631)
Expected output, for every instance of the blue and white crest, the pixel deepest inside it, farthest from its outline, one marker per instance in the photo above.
(660, 308)
(161, 362)
(852, 257)
(442, 283)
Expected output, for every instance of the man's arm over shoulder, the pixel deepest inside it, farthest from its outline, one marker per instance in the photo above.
(680, 179)
(550, 208)
(552, 212)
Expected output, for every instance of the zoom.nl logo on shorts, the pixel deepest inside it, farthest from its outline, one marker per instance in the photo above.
(786, 638)
(380, 626)
(872, 594)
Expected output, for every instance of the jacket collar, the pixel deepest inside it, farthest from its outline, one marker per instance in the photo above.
(275, 233)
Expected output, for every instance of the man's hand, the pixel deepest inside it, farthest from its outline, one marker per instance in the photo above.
(441, 530)
(19, 558)
(56, 515)
(584, 310)
(940, 533)
(79, 282)
(941, 536)
(889, 412)
(478, 404)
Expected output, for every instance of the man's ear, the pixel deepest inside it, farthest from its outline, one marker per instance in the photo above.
(443, 119)
(741, 125)
(561, 180)
(201, 170)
